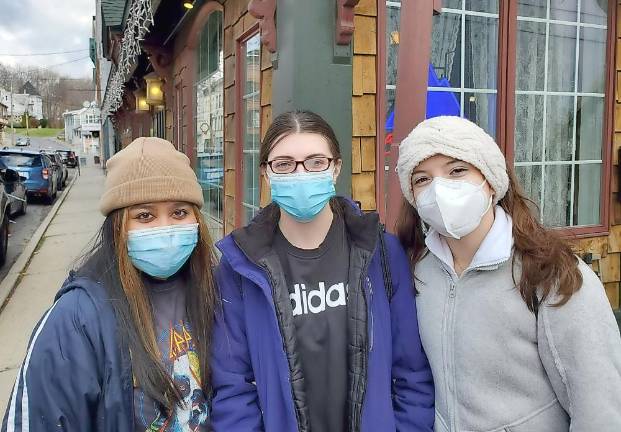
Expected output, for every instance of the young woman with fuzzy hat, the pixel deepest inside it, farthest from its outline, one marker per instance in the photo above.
(125, 345)
(518, 331)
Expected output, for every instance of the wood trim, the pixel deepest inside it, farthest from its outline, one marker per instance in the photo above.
(240, 121)
(583, 232)
(505, 104)
(609, 103)
(265, 12)
(345, 21)
(380, 108)
(412, 79)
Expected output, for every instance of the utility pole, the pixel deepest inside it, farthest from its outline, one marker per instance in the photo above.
(27, 115)
(12, 126)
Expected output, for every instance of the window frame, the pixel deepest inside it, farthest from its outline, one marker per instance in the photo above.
(505, 112)
(240, 120)
(199, 26)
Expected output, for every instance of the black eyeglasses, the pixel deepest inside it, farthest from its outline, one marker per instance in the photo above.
(312, 164)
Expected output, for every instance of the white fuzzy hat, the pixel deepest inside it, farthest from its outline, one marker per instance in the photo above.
(457, 138)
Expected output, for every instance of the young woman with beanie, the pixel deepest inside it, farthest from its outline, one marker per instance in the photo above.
(318, 327)
(518, 330)
(125, 345)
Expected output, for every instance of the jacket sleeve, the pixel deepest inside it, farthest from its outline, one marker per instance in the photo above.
(413, 393)
(580, 349)
(235, 405)
(57, 386)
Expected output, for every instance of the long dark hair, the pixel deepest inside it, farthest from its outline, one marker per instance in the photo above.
(109, 262)
(548, 264)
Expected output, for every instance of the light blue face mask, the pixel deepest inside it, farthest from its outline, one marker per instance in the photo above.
(302, 195)
(161, 252)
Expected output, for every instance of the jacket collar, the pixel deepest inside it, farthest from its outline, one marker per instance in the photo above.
(255, 240)
(496, 248)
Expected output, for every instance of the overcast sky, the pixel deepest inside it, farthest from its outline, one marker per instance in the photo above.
(43, 26)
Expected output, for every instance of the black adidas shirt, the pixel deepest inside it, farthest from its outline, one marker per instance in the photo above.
(317, 282)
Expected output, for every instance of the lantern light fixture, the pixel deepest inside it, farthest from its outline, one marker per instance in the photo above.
(141, 101)
(155, 94)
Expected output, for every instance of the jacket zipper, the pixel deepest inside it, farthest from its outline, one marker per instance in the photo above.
(450, 326)
(370, 309)
(284, 349)
(448, 340)
(358, 415)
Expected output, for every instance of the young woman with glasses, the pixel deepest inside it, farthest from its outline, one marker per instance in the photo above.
(317, 331)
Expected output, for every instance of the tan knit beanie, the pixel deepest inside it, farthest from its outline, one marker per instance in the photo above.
(149, 170)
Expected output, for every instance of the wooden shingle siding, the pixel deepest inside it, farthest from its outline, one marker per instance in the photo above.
(364, 104)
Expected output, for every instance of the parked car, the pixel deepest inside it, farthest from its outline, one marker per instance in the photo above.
(39, 171)
(22, 142)
(5, 212)
(15, 189)
(68, 157)
(62, 172)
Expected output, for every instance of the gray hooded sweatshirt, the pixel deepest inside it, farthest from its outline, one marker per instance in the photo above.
(499, 368)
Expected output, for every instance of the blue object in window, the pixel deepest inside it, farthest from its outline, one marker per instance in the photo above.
(439, 103)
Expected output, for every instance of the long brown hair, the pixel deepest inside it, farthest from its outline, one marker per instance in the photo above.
(109, 261)
(548, 264)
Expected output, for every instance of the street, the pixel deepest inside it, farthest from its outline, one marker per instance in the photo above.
(23, 227)
(65, 239)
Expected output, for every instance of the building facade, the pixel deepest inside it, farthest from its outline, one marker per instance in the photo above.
(82, 128)
(26, 100)
(539, 75)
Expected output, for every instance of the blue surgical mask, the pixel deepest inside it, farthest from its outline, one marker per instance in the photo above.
(302, 195)
(161, 252)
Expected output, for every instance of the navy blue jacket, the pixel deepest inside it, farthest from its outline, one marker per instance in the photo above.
(256, 372)
(76, 376)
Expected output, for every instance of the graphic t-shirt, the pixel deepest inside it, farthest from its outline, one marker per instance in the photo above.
(174, 339)
(317, 282)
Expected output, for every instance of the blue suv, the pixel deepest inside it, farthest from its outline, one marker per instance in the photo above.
(38, 170)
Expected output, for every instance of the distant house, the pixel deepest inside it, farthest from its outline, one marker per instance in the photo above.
(4, 114)
(27, 99)
(83, 126)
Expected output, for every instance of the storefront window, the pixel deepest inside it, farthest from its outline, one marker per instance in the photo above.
(559, 81)
(464, 62)
(559, 107)
(251, 126)
(209, 123)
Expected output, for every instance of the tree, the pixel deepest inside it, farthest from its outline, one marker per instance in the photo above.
(59, 93)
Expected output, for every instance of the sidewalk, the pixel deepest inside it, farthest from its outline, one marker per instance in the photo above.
(66, 238)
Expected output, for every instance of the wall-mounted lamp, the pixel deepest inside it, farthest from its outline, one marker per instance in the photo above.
(155, 94)
(141, 101)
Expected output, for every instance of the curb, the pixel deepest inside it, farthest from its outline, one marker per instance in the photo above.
(11, 280)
